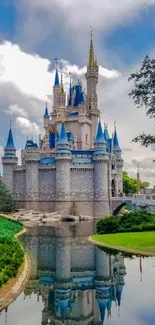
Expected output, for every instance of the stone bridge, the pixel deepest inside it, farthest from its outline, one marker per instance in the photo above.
(139, 202)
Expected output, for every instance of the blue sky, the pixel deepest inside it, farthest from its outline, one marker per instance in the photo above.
(34, 32)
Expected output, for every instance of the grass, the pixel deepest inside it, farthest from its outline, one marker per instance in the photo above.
(140, 241)
(11, 252)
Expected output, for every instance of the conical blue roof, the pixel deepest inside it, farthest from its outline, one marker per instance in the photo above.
(56, 82)
(63, 136)
(119, 293)
(106, 134)
(46, 112)
(70, 94)
(81, 97)
(102, 306)
(99, 137)
(70, 136)
(57, 136)
(63, 308)
(10, 143)
(77, 95)
(116, 142)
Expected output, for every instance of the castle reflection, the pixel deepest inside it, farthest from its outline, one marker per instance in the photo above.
(77, 282)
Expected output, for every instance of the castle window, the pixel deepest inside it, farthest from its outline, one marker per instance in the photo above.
(89, 106)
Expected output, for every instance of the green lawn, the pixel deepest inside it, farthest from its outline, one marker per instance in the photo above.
(140, 241)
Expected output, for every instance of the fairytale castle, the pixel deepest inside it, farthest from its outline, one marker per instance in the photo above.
(77, 166)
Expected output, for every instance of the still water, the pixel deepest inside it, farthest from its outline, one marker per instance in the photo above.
(74, 282)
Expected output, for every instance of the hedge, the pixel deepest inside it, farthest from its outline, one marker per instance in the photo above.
(132, 222)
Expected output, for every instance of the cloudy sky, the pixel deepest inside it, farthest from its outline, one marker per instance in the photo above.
(33, 33)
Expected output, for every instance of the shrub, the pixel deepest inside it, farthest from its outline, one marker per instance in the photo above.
(132, 222)
(7, 202)
(11, 252)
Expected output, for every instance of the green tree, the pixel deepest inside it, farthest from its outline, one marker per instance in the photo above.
(143, 95)
(144, 185)
(129, 184)
(7, 202)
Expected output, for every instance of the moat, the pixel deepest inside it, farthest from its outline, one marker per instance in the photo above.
(74, 282)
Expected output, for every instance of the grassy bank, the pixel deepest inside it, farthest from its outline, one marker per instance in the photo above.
(11, 253)
(138, 241)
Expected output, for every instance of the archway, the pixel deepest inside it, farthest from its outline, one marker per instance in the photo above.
(113, 188)
(118, 209)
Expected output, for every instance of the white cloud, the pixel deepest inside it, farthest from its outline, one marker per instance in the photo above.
(99, 13)
(16, 110)
(27, 127)
(29, 73)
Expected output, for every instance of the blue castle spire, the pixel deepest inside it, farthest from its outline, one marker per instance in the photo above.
(63, 136)
(100, 137)
(70, 136)
(116, 142)
(57, 136)
(46, 111)
(10, 142)
(56, 82)
(70, 93)
(106, 134)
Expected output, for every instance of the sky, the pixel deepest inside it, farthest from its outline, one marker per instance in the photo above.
(33, 33)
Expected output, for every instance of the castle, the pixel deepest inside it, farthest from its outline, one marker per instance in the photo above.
(76, 167)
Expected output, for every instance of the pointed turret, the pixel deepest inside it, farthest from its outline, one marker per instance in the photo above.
(61, 91)
(106, 133)
(46, 115)
(56, 81)
(116, 142)
(57, 136)
(70, 93)
(10, 143)
(92, 98)
(63, 136)
(91, 61)
(100, 140)
(9, 161)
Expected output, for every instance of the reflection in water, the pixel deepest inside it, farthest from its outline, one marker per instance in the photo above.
(73, 282)
(77, 281)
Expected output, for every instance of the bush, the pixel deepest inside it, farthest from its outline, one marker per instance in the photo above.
(132, 222)
(7, 202)
(11, 252)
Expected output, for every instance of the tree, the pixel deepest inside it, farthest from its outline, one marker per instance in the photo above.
(7, 202)
(129, 184)
(144, 185)
(143, 95)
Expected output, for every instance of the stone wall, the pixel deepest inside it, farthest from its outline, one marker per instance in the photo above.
(20, 184)
(47, 184)
(82, 185)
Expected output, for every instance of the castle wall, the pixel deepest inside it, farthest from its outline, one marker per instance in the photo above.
(82, 187)
(47, 184)
(20, 184)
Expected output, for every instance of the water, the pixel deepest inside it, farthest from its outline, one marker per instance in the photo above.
(74, 282)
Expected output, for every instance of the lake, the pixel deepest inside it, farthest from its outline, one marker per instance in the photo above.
(75, 282)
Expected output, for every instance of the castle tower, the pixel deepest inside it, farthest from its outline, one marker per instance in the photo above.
(63, 161)
(9, 161)
(101, 159)
(62, 94)
(92, 80)
(46, 128)
(119, 161)
(56, 88)
(32, 158)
